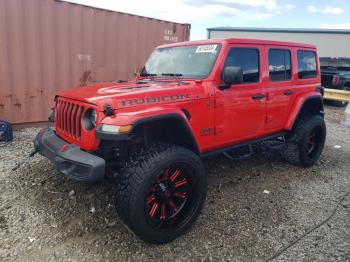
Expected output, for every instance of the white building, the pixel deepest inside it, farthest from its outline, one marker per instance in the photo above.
(333, 43)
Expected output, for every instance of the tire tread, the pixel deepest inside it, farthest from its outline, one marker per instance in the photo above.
(132, 175)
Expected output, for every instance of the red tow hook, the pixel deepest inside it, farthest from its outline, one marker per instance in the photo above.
(42, 132)
(64, 148)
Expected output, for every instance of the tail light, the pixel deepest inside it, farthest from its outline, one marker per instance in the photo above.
(336, 80)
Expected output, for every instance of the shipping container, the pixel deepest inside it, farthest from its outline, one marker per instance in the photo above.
(48, 45)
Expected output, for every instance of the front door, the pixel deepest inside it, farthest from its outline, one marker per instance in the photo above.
(240, 110)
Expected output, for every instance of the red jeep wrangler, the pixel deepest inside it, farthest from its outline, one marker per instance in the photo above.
(191, 100)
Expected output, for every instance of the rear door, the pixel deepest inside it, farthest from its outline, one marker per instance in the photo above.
(279, 87)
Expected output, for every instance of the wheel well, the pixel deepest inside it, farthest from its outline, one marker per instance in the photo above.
(171, 130)
(312, 106)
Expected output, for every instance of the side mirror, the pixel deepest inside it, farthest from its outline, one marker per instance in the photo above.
(232, 75)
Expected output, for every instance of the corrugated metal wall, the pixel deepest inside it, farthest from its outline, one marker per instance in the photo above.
(47, 45)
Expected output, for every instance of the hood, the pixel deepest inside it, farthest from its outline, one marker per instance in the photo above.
(122, 95)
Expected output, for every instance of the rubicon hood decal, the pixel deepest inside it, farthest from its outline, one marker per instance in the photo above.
(152, 100)
(132, 94)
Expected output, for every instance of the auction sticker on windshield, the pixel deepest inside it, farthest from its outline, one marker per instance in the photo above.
(206, 49)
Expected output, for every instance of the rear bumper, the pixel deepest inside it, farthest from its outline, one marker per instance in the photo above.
(68, 159)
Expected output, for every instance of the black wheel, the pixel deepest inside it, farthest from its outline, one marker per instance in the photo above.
(161, 192)
(306, 141)
(339, 103)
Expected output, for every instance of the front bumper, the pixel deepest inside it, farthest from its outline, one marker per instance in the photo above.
(68, 159)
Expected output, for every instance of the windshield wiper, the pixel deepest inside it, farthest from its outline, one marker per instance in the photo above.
(150, 75)
(176, 76)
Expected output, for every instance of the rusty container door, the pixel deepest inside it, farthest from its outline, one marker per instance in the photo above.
(48, 45)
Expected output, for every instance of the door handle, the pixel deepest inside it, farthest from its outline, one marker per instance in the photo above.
(288, 92)
(258, 96)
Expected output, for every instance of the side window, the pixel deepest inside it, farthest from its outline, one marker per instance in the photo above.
(280, 65)
(248, 60)
(306, 64)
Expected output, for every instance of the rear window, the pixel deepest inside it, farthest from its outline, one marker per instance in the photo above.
(307, 67)
(280, 65)
(248, 60)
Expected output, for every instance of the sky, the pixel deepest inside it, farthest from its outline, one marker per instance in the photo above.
(203, 14)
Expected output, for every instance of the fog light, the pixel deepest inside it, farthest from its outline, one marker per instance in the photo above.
(42, 132)
(64, 148)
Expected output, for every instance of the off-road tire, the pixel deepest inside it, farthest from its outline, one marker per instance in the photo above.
(339, 103)
(295, 151)
(137, 176)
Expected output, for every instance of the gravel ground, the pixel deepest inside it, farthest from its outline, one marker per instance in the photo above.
(45, 217)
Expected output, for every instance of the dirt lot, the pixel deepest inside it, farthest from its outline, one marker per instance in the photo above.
(62, 220)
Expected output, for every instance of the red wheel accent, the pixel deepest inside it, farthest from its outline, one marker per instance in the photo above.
(167, 195)
(150, 199)
(165, 175)
(180, 195)
(154, 209)
(180, 183)
(163, 212)
(175, 175)
(172, 205)
(311, 142)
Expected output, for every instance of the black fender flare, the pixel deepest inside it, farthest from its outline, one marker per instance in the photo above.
(171, 116)
(301, 106)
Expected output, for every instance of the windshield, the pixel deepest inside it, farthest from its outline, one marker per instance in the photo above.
(195, 61)
(335, 63)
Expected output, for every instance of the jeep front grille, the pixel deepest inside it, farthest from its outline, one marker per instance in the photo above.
(68, 116)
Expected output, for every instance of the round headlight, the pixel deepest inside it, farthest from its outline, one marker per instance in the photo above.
(90, 119)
